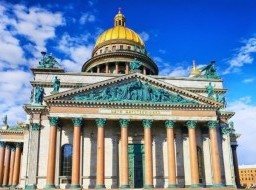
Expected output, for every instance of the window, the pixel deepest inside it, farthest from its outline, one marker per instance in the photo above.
(129, 47)
(121, 47)
(113, 48)
(101, 51)
(66, 155)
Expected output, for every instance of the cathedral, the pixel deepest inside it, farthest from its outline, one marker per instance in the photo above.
(118, 124)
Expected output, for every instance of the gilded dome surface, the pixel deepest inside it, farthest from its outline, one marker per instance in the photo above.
(119, 33)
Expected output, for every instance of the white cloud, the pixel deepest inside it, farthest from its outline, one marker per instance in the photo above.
(162, 51)
(76, 49)
(87, 17)
(243, 56)
(245, 124)
(249, 80)
(15, 91)
(24, 32)
(144, 36)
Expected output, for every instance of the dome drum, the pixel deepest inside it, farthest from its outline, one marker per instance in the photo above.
(125, 57)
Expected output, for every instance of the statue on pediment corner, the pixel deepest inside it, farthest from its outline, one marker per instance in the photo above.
(56, 85)
(210, 90)
(38, 95)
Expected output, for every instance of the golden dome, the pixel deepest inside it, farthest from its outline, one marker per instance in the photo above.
(119, 32)
(195, 71)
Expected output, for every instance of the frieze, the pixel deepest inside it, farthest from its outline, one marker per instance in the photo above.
(134, 112)
(133, 91)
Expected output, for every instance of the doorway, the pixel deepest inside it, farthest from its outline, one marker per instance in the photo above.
(136, 165)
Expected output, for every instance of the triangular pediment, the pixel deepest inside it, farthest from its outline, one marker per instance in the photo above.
(130, 90)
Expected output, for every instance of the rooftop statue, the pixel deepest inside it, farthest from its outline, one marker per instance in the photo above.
(209, 71)
(135, 65)
(56, 85)
(5, 121)
(210, 90)
(38, 95)
(48, 61)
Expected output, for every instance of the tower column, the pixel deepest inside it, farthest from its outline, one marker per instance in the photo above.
(193, 153)
(75, 181)
(98, 69)
(215, 154)
(147, 123)
(171, 154)
(51, 153)
(100, 171)
(2, 154)
(144, 71)
(6, 165)
(107, 68)
(11, 165)
(126, 68)
(124, 182)
(16, 171)
(117, 68)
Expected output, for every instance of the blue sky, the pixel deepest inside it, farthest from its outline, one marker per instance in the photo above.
(175, 32)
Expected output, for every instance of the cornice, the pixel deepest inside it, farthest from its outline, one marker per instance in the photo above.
(35, 109)
(10, 132)
(225, 114)
(207, 103)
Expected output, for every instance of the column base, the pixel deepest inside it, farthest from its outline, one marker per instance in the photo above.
(124, 186)
(148, 186)
(73, 186)
(30, 186)
(217, 186)
(194, 186)
(172, 186)
(100, 186)
(50, 186)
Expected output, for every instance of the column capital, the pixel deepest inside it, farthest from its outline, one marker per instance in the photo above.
(212, 124)
(18, 144)
(124, 123)
(13, 148)
(8, 146)
(147, 123)
(191, 124)
(35, 126)
(77, 121)
(2, 144)
(169, 124)
(54, 121)
(100, 122)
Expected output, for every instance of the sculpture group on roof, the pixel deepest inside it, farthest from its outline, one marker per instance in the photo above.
(48, 61)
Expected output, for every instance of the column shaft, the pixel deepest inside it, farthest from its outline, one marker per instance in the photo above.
(98, 69)
(235, 163)
(7, 165)
(126, 68)
(117, 68)
(100, 182)
(171, 158)
(124, 158)
(11, 166)
(76, 157)
(193, 157)
(51, 158)
(148, 158)
(215, 157)
(2, 154)
(16, 171)
(144, 70)
(107, 68)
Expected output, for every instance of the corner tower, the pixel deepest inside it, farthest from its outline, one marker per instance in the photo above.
(116, 47)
